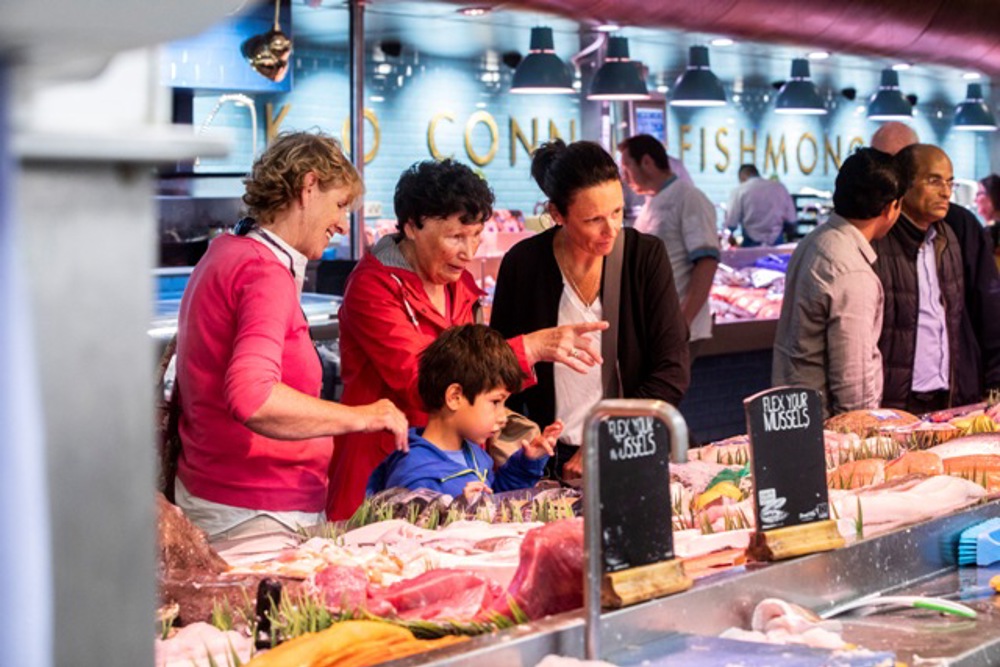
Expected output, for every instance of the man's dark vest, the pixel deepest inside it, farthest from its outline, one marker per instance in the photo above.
(897, 269)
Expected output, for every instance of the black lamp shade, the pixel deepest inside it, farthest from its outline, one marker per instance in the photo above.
(888, 103)
(618, 78)
(799, 95)
(541, 71)
(972, 114)
(698, 86)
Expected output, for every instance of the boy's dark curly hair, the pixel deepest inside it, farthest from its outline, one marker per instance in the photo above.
(472, 355)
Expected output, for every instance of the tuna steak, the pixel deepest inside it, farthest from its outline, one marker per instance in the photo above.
(549, 577)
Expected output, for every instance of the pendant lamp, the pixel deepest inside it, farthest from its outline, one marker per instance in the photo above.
(972, 114)
(799, 95)
(698, 86)
(888, 103)
(541, 71)
(619, 78)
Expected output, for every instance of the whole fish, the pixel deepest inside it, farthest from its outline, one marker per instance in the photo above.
(981, 443)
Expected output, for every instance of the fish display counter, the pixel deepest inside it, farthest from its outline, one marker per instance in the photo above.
(502, 575)
(685, 628)
(735, 362)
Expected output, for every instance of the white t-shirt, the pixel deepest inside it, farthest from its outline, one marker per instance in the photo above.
(216, 519)
(677, 167)
(684, 219)
(576, 394)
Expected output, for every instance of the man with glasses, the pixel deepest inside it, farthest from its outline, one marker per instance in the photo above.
(920, 266)
(980, 333)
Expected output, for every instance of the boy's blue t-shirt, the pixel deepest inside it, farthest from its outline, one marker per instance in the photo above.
(426, 466)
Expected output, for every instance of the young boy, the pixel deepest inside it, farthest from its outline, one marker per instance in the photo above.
(465, 376)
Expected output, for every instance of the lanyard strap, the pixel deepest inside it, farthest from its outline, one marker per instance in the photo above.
(248, 225)
(611, 300)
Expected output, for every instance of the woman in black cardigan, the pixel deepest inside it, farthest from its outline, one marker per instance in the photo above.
(557, 277)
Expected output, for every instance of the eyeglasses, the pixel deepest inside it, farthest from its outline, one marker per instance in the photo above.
(939, 183)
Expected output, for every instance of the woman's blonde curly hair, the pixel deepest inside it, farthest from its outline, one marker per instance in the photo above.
(277, 175)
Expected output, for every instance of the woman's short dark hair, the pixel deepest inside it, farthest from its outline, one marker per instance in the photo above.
(440, 189)
(472, 355)
(991, 184)
(562, 170)
(868, 181)
(276, 178)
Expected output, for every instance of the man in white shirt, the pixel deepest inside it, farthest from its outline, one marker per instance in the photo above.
(678, 168)
(683, 217)
(634, 201)
(761, 206)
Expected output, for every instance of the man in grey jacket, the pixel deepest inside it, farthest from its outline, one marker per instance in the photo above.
(827, 336)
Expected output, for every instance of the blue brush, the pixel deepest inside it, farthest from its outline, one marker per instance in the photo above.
(972, 550)
(988, 548)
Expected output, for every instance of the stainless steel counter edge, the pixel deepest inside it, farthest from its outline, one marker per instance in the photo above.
(819, 581)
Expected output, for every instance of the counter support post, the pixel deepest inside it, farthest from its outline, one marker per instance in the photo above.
(357, 53)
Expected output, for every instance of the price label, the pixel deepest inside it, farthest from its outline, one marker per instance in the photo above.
(634, 492)
(787, 452)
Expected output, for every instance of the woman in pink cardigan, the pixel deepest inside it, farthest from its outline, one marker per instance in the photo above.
(256, 438)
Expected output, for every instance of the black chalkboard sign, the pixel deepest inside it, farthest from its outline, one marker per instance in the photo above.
(789, 466)
(635, 492)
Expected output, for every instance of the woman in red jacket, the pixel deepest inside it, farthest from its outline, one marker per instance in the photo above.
(408, 289)
(255, 436)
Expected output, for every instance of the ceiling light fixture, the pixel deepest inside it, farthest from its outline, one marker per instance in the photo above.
(799, 95)
(619, 78)
(972, 114)
(888, 103)
(722, 41)
(818, 55)
(698, 86)
(972, 76)
(901, 67)
(608, 27)
(474, 11)
(541, 71)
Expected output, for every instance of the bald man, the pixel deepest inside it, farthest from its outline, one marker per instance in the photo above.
(893, 137)
(980, 327)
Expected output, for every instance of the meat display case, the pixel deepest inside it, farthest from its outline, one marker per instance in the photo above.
(916, 560)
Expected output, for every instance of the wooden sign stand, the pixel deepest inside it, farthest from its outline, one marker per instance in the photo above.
(791, 500)
(782, 543)
(628, 529)
(638, 584)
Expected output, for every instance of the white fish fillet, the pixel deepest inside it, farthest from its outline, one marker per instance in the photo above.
(776, 621)
(890, 508)
(982, 443)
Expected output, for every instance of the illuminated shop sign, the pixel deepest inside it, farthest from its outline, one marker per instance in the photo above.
(780, 152)
(701, 148)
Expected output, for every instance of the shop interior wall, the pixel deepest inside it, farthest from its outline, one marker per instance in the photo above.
(805, 151)
(416, 98)
(417, 107)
